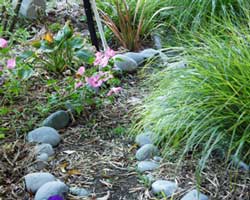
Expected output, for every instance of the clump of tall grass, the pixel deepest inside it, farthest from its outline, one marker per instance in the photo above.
(205, 106)
(196, 13)
(132, 21)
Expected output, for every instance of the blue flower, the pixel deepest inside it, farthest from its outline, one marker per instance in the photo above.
(55, 197)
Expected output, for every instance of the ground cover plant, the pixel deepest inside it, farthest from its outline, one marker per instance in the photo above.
(205, 106)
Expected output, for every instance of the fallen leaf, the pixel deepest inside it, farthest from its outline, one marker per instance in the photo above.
(74, 172)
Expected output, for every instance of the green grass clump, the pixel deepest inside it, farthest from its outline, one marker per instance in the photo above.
(205, 106)
(197, 13)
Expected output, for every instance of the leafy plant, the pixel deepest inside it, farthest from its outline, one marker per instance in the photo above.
(205, 106)
(130, 20)
(60, 52)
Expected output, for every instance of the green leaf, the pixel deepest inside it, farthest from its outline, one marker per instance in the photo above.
(76, 43)
(26, 54)
(2, 136)
(64, 34)
(85, 55)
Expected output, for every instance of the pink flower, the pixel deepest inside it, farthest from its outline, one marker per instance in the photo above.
(3, 43)
(105, 76)
(110, 53)
(78, 84)
(11, 63)
(98, 58)
(80, 71)
(114, 90)
(104, 62)
(94, 81)
(1, 68)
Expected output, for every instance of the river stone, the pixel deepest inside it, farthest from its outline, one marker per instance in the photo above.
(157, 158)
(146, 152)
(34, 181)
(137, 57)
(81, 192)
(167, 187)
(239, 164)
(44, 148)
(41, 161)
(144, 138)
(31, 8)
(149, 53)
(45, 135)
(125, 63)
(147, 166)
(57, 120)
(50, 189)
(194, 195)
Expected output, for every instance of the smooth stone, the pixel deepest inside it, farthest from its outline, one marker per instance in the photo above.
(167, 187)
(81, 192)
(31, 8)
(147, 166)
(41, 161)
(150, 178)
(149, 53)
(50, 189)
(57, 120)
(194, 195)
(44, 148)
(125, 63)
(45, 135)
(157, 41)
(144, 138)
(146, 152)
(34, 181)
(177, 65)
(137, 57)
(157, 158)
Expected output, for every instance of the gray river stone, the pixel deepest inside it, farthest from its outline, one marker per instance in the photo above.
(147, 166)
(149, 53)
(50, 189)
(80, 192)
(167, 187)
(137, 57)
(144, 138)
(124, 63)
(45, 135)
(44, 148)
(194, 195)
(57, 120)
(34, 181)
(31, 8)
(146, 152)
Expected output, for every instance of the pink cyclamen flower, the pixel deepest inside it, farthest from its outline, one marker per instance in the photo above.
(105, 76)
(109, 53)
(114, 90)
(80, 71)
(3, 43)
(94, 81)
(78, 84)
(98, 58)
(104, 62)
(11, 63)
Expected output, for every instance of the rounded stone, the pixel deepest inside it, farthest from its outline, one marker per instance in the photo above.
(149, 53)
(34, 181)
(137, 57)
(194, 195)
(144, 138)
(125, 63)
(44, 148)
(146, 152)
(167, 187)
(57, 120)
(147, 166)
(157, 158)
(81, 192)
(50, 189)
(45, 135)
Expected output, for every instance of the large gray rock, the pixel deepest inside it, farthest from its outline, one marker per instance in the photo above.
(239, 164)
(41, 161)
(31, 8)
(124, 63)
(45, 135)
(34, 181)
(147, 166)
(44, 148)
(146, 152)
(50, 189)
(137, 57)
(167, 187)
(57, 120)
(149, 53)
(80, 192)
(144, 138)
(194, 195)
